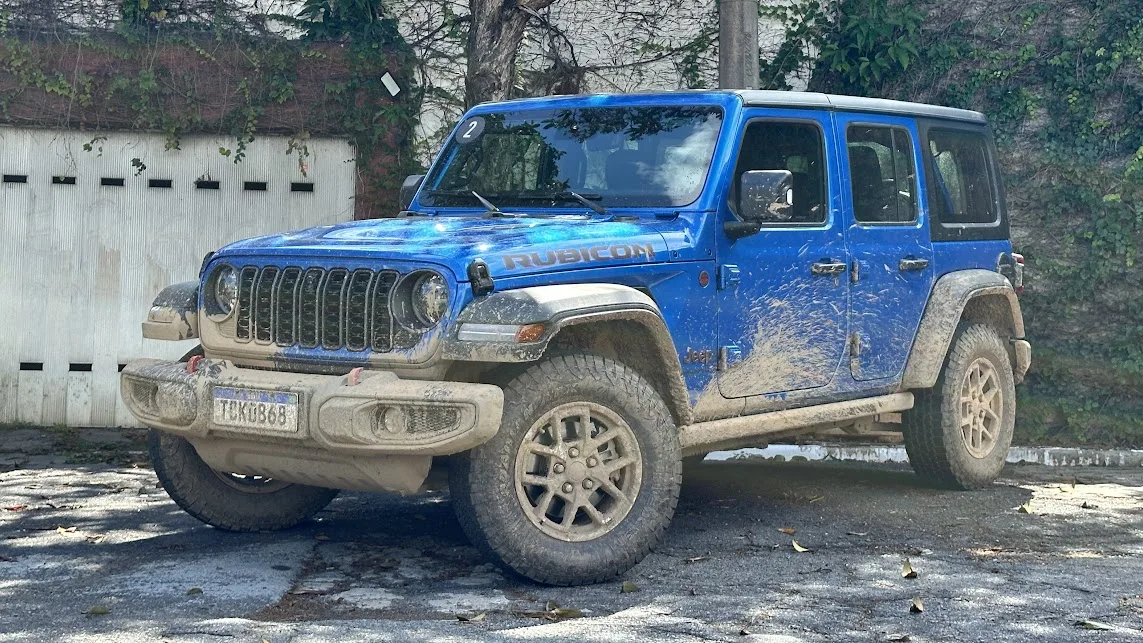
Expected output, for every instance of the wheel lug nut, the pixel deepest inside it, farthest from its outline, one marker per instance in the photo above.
(587, 484)
(573, 452)
(558, 468)
(592, 461)
(568, 487)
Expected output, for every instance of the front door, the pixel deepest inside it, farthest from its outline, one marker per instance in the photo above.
(782, 297)
(888, 242)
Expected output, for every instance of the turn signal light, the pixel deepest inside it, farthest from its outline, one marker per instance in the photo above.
(529, 333)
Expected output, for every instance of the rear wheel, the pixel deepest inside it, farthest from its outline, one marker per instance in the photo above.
(227, 500)
(959, 432)
(582, 479)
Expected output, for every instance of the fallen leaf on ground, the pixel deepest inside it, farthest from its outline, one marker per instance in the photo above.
(98, 610)
(695, 559)
(65, 530)
(7, 559)
(900, 637)
(1088, 505)
(798, 548)
(551, 606)
(321, 537)
(907, 570)
(567, 612)
(1094, 625)
(857, 533)
(816, 498)
(194, 591)
(95, 538)
(789, 531)
(1025, 508)
(628, 588)
(916, 606)
(471, 619)
(744, 632)
(16, 508)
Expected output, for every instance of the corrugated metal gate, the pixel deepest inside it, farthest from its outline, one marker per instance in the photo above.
(88, 240)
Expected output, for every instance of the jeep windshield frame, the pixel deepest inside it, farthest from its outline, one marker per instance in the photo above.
(657, 156)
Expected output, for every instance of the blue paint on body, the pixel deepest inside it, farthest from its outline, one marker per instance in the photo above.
(788, 335)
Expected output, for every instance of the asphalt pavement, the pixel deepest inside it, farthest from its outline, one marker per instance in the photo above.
(98, 552)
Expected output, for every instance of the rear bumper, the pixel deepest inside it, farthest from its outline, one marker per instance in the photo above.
(379, 415)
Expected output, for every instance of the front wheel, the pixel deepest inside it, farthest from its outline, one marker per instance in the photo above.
(226, 500)
(582, 479)
(959, 432)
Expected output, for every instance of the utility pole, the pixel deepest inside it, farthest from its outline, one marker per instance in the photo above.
(738, 44)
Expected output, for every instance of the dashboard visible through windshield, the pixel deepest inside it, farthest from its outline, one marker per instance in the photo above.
(613, 156)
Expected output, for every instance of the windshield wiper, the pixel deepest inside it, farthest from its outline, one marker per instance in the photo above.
(486, 203)
(595, 207)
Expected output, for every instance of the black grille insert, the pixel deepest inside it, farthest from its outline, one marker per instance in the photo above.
(333, 309)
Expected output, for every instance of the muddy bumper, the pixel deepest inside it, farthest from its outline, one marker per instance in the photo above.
(367, 430)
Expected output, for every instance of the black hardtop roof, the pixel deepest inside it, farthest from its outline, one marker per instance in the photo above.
(764, 98)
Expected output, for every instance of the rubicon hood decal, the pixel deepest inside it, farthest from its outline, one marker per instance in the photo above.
(514, 246)
(566, 256)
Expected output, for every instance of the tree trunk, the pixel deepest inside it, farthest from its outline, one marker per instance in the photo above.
(494, 38)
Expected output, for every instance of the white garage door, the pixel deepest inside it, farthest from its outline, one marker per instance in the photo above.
(88, 240)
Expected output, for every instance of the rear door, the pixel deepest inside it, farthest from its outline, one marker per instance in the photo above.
(782, 292)
(887, 237)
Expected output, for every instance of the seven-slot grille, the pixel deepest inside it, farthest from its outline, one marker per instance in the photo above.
(318, 308)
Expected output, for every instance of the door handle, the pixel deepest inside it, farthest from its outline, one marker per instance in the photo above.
(909, 264)
(828, 267)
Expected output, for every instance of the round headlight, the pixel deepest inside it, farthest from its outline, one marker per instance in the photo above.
(430, 299)
(226, 289)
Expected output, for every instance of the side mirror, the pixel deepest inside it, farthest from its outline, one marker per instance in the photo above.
(409, 190)
(766, 196)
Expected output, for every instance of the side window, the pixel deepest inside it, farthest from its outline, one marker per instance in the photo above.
(797, 147)
(960, 191)
(882, 174)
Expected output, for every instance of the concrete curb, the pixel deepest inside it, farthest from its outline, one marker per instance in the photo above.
(1047, 456)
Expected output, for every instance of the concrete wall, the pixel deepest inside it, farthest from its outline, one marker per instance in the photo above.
(81, 261)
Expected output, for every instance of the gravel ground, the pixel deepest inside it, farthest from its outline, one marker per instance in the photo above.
(98, 552)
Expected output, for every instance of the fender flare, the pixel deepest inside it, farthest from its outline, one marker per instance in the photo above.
(174, 313)
(950, 297)
(558, 307)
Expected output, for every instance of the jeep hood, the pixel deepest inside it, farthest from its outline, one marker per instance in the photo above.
(510, 245)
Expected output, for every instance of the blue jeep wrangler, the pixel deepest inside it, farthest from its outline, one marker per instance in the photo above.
(582, 292)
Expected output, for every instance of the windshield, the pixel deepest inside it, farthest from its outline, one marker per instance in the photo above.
(614, 156)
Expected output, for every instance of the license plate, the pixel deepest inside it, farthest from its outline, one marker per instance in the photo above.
(253, 409)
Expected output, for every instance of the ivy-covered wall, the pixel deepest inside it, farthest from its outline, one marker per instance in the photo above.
(181, 79)
(1062, 83)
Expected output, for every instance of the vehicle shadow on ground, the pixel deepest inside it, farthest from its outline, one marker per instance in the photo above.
(728, 557)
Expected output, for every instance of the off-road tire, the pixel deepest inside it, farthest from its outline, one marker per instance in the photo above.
(200, 491)
(483, 481)
(934, 440)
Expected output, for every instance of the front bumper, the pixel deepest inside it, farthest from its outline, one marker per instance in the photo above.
(378, 414)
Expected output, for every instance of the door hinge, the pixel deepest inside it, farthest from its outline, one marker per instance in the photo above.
(728, 276)
(855, 345)
(728, 356)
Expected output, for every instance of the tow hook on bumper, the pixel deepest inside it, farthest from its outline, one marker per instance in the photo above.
(367, 413)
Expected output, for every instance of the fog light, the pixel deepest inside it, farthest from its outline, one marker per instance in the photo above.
(394, 420)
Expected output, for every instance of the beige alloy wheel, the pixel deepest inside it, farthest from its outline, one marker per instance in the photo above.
(578, 472)
(981, 406)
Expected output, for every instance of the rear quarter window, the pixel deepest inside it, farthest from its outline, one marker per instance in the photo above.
(965, 197)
